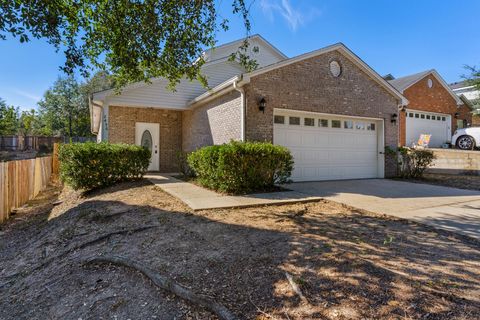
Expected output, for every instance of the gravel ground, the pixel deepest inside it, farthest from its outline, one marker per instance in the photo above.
(346, 264)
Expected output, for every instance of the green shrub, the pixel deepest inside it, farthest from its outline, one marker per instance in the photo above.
(183, 166)
(241, 167)
(412, 163)
(91, 165)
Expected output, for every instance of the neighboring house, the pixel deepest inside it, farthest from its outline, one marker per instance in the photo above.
(472, 93)
(433, 109)
(328, 107)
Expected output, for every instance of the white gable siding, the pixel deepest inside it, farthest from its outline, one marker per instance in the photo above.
(218, 73)
(158, 95)
(264, 57)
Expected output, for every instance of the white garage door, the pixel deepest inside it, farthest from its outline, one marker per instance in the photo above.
(436, 124)
(328, 147)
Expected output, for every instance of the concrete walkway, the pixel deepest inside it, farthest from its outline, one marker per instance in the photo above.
(442, 207)
(199, 198)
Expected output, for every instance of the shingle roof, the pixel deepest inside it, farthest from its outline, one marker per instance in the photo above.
(401, 84)
(459, 84)
(404, 82)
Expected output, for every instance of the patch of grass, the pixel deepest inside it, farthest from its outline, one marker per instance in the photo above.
(388, 240)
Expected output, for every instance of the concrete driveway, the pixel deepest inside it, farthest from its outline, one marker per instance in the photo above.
(442, 207)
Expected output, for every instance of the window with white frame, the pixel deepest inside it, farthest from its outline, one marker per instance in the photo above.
(309, 122)
(294, 121)
(336, 124)
(279, 119)
(323, 123)
(360, 125)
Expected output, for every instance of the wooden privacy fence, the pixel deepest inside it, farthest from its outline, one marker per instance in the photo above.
(21, 143)
(22, 180)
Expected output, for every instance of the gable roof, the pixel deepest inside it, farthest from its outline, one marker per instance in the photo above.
(213, 76)
(460, 85)
(239, 42)
(403, 83)
(347, 53)
(466, 102)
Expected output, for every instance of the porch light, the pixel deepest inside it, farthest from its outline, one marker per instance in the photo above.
(456, 115)
(393, 118)
(262, 104)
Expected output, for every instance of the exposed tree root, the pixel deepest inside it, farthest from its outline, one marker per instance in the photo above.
(167, 284)
(295, 287)
(77, 247)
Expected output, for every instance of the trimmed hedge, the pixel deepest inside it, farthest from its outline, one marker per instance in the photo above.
(241, 167)
(92, 165)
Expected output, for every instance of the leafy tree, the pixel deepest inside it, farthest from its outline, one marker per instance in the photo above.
(474, 76)
(28, 123)
(8, 119)
(474, 79)
(64, 109)
(133, 40)
(100, 81)
(61, 107)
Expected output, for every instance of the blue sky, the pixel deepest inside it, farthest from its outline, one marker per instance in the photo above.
(398, 37)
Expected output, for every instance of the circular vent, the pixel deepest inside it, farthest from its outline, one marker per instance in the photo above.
(335, 68)
(430, 83)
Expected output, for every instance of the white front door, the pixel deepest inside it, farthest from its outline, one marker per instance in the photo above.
(330, 147)
(437, 125)
(148, 135)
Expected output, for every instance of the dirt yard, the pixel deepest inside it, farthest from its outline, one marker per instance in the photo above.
(455, 181)
(345, 264)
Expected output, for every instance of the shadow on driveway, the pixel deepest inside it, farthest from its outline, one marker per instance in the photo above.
(442, 207)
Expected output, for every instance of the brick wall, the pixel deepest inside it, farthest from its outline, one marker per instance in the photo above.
(434, 99)
(122, 130)
(307, 85)
(465, 113)
(476, 121)
(217, 121)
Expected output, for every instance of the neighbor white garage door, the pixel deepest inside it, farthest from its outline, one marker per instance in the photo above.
(436, 124)
(328, 147)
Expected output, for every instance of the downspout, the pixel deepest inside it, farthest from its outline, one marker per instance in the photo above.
(243, 109)
(91, 105)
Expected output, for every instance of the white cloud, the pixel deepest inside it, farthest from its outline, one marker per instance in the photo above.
(27, 95)
(294, 17)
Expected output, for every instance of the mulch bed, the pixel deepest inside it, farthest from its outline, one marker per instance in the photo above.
(346, 264)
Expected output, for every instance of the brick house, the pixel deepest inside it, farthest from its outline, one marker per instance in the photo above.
(471, 93)
(328, 107)
(433, 109)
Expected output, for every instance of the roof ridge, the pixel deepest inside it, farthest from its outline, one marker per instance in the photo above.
(414, 74)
